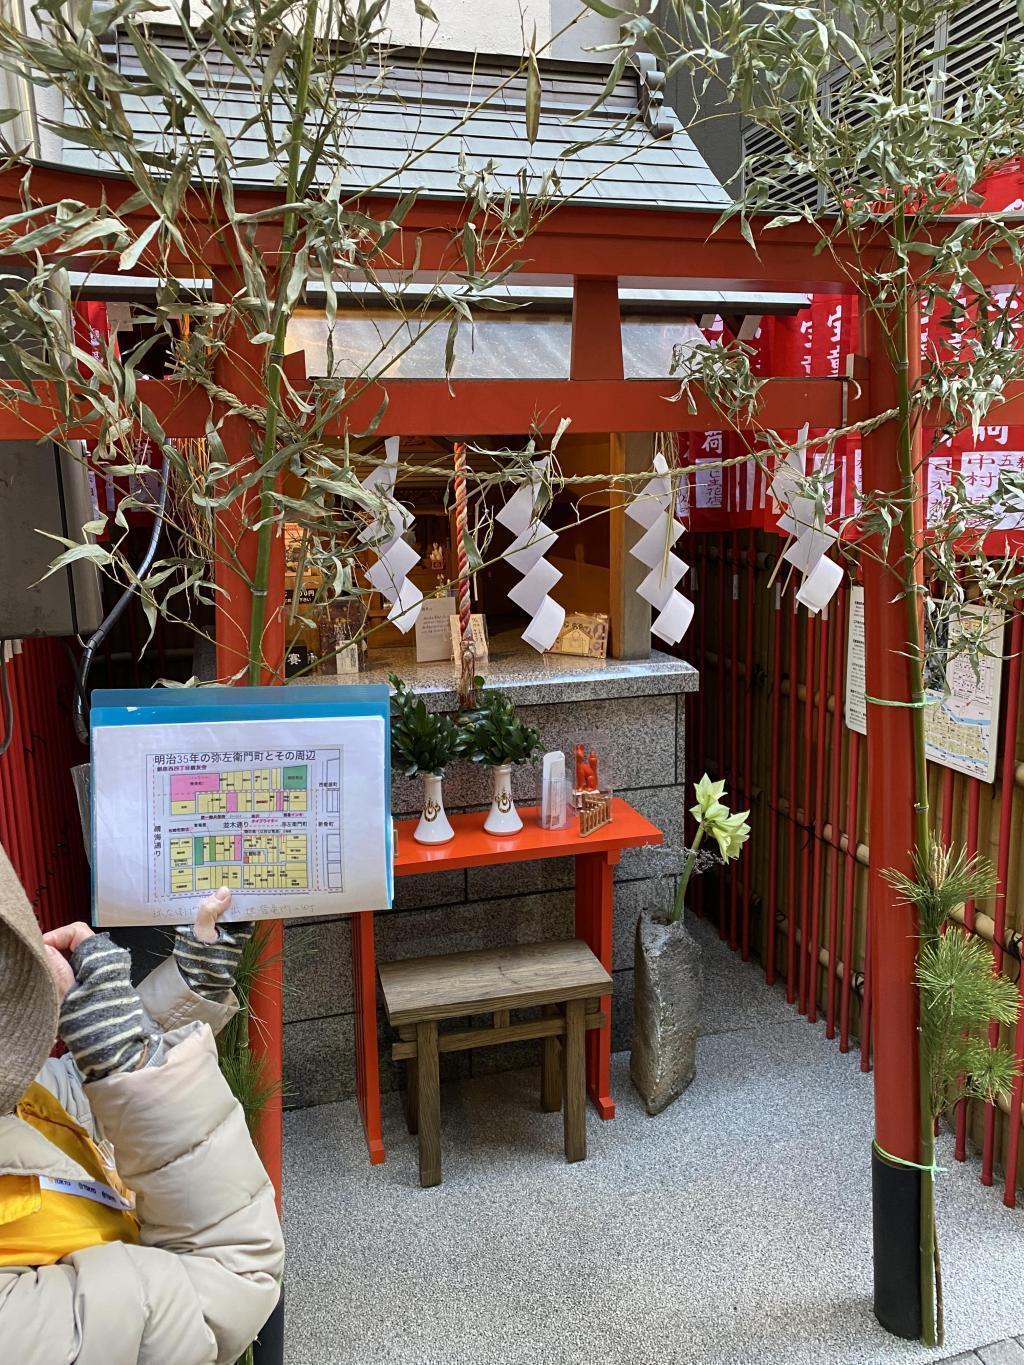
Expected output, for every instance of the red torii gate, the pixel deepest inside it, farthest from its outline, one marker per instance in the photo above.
(599, 248)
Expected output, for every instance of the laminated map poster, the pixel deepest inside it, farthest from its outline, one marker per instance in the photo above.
(289, 811)
(962, 722)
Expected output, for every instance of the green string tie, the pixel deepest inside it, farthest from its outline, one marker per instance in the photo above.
(933, 1169)
(917, 705)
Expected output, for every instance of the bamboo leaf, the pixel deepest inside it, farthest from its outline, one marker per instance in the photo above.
(94, 554)
(132, 254)
(533, 96)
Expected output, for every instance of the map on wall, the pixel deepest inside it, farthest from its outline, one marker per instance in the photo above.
(962, 721)
(290, 814)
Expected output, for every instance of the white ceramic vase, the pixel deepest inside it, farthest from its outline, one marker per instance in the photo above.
(503, 818)
(434, 827)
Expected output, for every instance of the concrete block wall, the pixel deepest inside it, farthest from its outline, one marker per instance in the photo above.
(640, 740)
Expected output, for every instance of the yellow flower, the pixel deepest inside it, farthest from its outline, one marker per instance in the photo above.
(714, 817)
(709, 794)
(731, 833)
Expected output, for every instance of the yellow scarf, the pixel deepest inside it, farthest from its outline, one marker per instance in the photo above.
(42, 1220)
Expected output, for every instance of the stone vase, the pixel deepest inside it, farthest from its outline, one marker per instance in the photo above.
(503, 818)
(434, 827)
(668, 996)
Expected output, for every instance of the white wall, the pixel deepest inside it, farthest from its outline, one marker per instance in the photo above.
(499, 26)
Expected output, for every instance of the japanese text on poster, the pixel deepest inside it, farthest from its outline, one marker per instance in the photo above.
(290, 815)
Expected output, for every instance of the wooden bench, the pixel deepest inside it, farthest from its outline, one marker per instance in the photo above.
(564, 979)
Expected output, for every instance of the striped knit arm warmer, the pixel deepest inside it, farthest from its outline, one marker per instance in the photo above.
(209, 968)
(102, 1021)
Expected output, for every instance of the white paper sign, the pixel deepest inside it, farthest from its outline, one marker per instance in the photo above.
(433, 634)
(855, 706)
(290, 814)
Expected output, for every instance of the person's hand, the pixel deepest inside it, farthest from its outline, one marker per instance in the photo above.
(60, 970)
(60, 944)
(205, 926)
(67, 938)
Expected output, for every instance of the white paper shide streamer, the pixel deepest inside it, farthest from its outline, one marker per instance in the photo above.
(532, 540)
(652, 508)
(395, 557)
(811, 538)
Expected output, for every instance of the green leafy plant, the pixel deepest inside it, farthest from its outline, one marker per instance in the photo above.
(730, 832)
(245, 1072)
(496, 735)
(959, 995)
(421, 742)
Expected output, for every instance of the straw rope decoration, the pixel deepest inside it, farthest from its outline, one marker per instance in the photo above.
(467, 671)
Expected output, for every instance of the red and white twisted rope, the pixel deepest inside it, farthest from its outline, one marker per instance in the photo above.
(468, 661)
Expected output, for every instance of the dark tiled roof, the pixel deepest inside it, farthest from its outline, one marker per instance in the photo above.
(415, 124)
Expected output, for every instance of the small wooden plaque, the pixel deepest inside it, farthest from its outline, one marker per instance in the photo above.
(583, 634)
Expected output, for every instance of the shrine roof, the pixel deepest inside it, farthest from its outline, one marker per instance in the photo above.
(431, 121)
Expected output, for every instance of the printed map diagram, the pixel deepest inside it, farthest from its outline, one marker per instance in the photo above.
(264, 821)
(962, 725)
(962, 681)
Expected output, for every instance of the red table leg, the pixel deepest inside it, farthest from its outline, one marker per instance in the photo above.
(364, 987)
(595, 883)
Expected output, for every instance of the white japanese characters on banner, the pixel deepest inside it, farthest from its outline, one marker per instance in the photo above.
(980, 466)
(708, 492)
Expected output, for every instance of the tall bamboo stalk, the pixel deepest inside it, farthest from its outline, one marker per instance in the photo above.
(275, 359)
(906, 334)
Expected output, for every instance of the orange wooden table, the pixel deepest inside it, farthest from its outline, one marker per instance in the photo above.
(596, 856)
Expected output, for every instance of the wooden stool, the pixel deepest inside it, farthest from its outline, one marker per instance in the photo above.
(565, 979)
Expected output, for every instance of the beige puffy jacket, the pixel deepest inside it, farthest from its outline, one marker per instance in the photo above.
(207, 1273)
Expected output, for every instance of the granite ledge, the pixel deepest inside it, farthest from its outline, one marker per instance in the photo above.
(532, 679)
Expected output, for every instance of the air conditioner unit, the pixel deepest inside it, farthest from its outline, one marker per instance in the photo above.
(43, 488)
